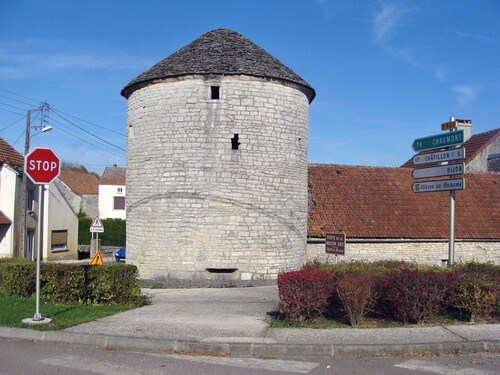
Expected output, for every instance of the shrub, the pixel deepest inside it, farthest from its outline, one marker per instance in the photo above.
(63, 283)
(72, 283)
(113, 235)
(116, 283)
(412, 296)
(17, 277)
(357, 295)
(358, 267)
(305, 293)
(475, 293)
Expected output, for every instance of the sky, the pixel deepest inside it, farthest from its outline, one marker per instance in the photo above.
(385, 72)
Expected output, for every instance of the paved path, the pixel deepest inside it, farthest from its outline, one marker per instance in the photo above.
(233, 321)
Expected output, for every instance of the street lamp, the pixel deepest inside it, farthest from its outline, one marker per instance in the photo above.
(42, 128)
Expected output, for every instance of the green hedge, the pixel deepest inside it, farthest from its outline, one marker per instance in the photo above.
(113, 235)
(72, 283)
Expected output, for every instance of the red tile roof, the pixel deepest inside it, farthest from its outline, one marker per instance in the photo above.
(80, 182)
(377, 202)
(473, 146)
(9, 155)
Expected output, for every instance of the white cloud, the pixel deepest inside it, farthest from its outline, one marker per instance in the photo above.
(23, 58)
(466, 93)
(388, 20)
(477, 37)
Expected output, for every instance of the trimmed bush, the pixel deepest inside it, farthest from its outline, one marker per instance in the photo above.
(475, 293)
(17, 277)
(304, 294)
(359, 267)
(115, 283)
(357, 295)
(72, 283)
(412, 295)
(114, 231)
(63, 283)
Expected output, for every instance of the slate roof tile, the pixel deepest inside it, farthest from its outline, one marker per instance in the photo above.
(220, 52)
(114, 176)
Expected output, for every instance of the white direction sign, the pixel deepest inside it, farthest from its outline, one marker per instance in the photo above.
(435, 157)
(442, 185)
(442, 170)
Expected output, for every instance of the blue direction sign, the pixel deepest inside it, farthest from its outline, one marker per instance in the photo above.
(439, 141)
(442, 185)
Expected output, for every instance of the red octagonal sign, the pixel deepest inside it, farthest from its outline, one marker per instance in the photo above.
(42, 166)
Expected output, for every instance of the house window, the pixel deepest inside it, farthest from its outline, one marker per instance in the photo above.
(59, 241)
(118, 203)
(31, 194)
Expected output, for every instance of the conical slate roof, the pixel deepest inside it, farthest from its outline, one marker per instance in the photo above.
(220, 52)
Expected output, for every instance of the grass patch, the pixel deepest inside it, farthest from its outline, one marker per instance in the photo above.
(14, 309)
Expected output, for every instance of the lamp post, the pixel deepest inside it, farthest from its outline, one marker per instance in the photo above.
(22, 249)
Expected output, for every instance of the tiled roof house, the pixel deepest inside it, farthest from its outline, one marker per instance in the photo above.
(60, 229)
(378, 203)
(112, 193)
(382, 217)
(81, 189)
(11, 167)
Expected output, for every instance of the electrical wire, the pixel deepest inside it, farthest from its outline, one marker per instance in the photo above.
(86, 131)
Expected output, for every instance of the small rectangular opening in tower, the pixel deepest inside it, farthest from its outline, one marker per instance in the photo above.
(234, 142)
(215, 92)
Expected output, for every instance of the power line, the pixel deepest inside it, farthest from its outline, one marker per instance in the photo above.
(21, 96)
(15, 122)
(90, 123)
(87, 132)
(62, 127)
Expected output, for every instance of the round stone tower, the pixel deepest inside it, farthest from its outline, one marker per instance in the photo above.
(217, 164)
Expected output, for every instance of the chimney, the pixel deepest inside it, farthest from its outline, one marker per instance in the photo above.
(464, 125)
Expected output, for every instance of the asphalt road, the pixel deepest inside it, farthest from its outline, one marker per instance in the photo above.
(18, 357)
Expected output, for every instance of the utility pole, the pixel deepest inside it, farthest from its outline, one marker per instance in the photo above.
(22, 248)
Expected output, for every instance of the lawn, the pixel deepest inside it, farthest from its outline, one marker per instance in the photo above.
(14, 309)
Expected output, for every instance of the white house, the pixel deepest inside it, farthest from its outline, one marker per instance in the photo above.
(60, 225)
(112, 193)
(11, 166)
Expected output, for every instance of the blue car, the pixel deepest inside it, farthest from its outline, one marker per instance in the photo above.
(120, 254)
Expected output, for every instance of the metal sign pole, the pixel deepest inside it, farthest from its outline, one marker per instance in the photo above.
(451, 249)
(37, 315)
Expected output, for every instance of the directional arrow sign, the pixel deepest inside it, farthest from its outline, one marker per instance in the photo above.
(439, 141)
(435, 157)
(442, 170)
(428, 186)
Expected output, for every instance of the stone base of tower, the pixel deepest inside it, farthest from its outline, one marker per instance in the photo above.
(220, 278)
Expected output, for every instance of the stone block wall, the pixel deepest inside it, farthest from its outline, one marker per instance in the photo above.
(428, 253)
(199, 209)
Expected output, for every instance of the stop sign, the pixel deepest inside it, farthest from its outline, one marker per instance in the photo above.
(42, 166)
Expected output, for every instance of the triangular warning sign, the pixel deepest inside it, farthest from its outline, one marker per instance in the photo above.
(97, 259)
(96, 223)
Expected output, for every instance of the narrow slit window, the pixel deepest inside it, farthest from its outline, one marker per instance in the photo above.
(234, 142)
(215, 92)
